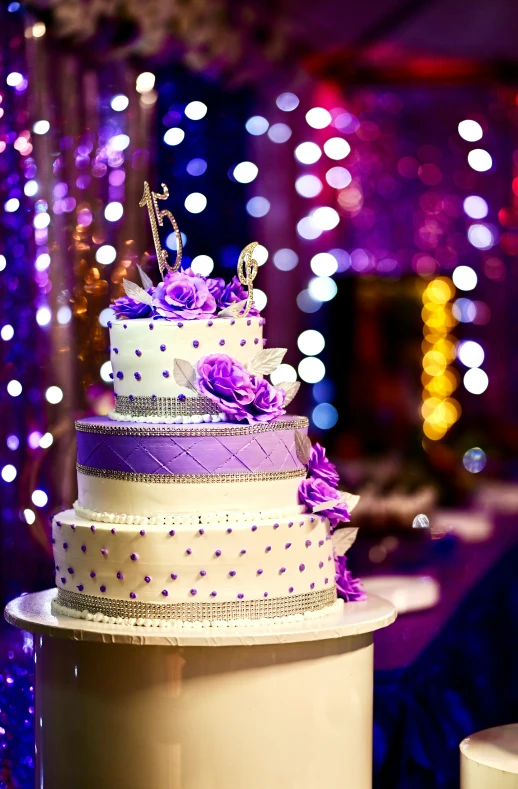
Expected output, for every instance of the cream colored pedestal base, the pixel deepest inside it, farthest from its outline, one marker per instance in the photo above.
(261, 708)
(489, 759)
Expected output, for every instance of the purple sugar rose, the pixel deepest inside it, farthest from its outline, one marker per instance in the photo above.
(232, 294)
(347, 587)
(216, 286)
(320, 466)
(267, 403)
(184, 295)
(226, 382)
(314, 491)
(129, 308)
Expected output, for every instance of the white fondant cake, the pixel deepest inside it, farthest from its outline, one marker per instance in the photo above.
(193, 499)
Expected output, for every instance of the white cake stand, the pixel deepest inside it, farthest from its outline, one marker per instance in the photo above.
(285, 707)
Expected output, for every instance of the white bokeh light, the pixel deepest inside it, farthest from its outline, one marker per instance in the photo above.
(196, 110)
(260, 255)
(46, 440)
(31, 188)
(322, 288)
(113, 211)
(279, 132)
(338, 177)
(306, 303)
(260, 299)
(285, 259)
(3, 262)
(475, 380)
(119, 102)
(174, 136)
(9, 473)
(337, 148)
(106, 315)
(11, 205)
(307, 229)
(470, 353)
(54, 395)
(311, 370)
(202, 264)
(14, 388)
(106, 369)
(39, 498)
(43, 316)
(41, 220)
(64, 315)
(480, 236)
(464, 278)
(475, 207)
(145, 82)
(311, 342)
(283, 373)
(106, 254)
(14, 79)
(257, 125)
(308, 185)
(195, 203)
(326, 218)
(318, 118)
(29, 516)
(42, 262)
(287, 102)
(7, 332)
(258, 206)
(324, 264)
(464, 310)
(41, 127)
(119, 142)
(308, 152)
(245, 172)
(470, 130)
(480, 160)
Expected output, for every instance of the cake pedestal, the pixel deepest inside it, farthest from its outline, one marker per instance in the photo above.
(286, 707)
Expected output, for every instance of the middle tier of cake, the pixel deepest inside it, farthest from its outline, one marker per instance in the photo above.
(145, 473)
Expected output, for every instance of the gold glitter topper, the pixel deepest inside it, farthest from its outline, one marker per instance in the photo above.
(156, 217)
(247, 268)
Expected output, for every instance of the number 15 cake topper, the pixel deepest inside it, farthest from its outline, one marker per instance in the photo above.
(150, 199)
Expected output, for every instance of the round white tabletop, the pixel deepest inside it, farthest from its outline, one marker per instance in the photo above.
(32, 612)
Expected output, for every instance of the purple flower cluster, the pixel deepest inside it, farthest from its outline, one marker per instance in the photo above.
(320, 466)
(185, 295)
(347, 587)
(240, 395)
(314, 491)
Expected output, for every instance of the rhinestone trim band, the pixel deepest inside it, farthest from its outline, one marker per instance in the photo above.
(227, 429)
(198, 612)
(185, 479)
(130, 405)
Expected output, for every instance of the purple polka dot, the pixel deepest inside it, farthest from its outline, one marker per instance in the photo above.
(52, 540)
(188, 551)
(254, 528)
(65, 545)
(110, 375)
(102, 588)
(57, 567)
(120, 375)
(268, 548)
(134, 557)
(321, 564)
(92, 574)
(172, 533)
(328, 558)
(104, 551)
(290, 524)
(83, 548)
(109, 324)
(326, 580)
(256, 340)
(71, 571)
(180, 325)
(275, 525)
(142, 533)
(217, 553)
(165, 592)
(138, 376)
(209, 323)
(63, 580)
(92, 527)
(282, 570)
(182, 398)
(288, 545)
(302, 567)
(138, 353)
(201, 531)
(80, 587)
(151, 326)
(229, 531)
(232, 573)
(203, 573)
(242, 551)
(116, 350)
(166, 373)
(242, 342)
(290, 589)
(307, 543)
(320, 543)
(163, 347)
(73, 526)
(222, 342)
(124, 325)
(265, 594)
(259, 572)
(120, 576)
(249, 322)
(147, 579)
(131, 398)
(174, 576)
(240, 596)
(195, 344)
(194, 591)
(58, 523)
(311, 520)
(132, 595)
(312, 586)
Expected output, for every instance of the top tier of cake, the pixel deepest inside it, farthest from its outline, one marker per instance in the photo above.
(143, 353)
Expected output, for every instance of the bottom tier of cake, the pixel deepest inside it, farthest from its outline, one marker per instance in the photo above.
(213, 574)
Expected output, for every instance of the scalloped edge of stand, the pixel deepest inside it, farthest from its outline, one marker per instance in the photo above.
(32, 612)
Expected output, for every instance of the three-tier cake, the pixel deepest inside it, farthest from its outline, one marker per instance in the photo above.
(200, 502)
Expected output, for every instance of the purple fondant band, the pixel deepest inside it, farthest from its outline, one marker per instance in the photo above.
(210, 454)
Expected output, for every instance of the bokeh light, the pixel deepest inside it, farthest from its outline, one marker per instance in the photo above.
(113, 211)
(474, 460)
(257, 125)
(196, 110)
(285, 259)
(470, 353)
(9, 473)
(311, 342)
(260, 255)
(258, 206)
(318, 118)
(195, 203)
(260, 299)
(39, 498)
(308, 152)
(311, 370)
(174, 136)
(287, 102)
(308, 185)
(279, 132)
(337, 148)
(324, 416)
(106, 371)
(106, 254)
(325, 218)
(464, 278)
(54, 395)
(322, 288)
(196, 167)
(245, 172)
(283, 373)
(119, 102)
(470, 130)
(41, 127)
(475, 207)
(480, 160)
(480, 236)
(145, 82)
(476, 381)
(338, 177)
(202, 264)
(324, 264)
(14, 388)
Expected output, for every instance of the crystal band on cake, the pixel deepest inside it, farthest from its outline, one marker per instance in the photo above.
(293, 605)
(103, 426)
(190, 479)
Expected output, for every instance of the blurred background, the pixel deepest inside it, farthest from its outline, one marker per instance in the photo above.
(372, 150)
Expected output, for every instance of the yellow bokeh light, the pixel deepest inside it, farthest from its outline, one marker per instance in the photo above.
(434, 362)
(439, 291)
